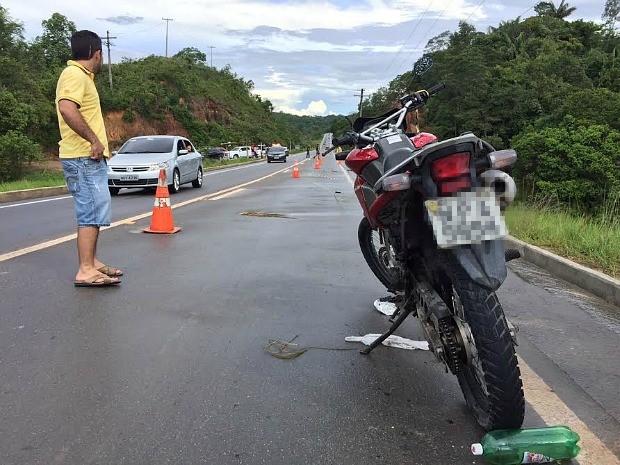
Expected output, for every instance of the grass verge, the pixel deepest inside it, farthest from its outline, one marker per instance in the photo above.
(593, 242)
(33, 180)
(50, 178)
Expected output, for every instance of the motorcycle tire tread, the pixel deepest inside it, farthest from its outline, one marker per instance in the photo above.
(485, 316)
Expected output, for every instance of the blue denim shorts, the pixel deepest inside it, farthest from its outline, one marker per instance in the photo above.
(87, 181)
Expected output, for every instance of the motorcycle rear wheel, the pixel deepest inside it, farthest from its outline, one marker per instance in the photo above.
(497, 400)
(376, 255)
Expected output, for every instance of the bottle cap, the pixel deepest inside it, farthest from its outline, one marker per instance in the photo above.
(476, 449)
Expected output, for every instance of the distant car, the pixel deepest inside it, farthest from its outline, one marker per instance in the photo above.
(240, 151)
(277, 153)
(217, 153)
(138, 161)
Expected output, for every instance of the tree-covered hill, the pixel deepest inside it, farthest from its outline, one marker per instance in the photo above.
(153, 95)
(546, 86)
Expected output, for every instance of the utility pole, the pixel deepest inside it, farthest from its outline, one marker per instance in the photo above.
(107, 43)
(167, 22)
(211, 48)
(361, 96)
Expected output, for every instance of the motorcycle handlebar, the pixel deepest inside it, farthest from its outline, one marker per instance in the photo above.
(422, 96)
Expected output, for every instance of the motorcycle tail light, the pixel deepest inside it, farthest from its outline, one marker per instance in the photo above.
(422, 139)
(397, 182)
(452, 173)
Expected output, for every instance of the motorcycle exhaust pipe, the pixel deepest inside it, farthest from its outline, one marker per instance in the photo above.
(503, 184)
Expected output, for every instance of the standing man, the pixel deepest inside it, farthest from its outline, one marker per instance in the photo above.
(83, 154)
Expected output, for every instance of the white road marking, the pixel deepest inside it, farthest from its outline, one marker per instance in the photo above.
(555, 412)
(35, 201)
(229, 194)
(346, 173)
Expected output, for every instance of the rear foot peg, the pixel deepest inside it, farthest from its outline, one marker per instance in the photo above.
(511, 254)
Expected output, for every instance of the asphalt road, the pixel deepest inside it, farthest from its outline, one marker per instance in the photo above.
(170, 368)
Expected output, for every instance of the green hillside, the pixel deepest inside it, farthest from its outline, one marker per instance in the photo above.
(151, 95)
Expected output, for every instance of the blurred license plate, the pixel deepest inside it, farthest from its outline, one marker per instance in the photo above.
(467, 218)
(129, 177)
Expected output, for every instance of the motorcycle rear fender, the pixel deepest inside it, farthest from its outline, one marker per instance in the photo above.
(485, 263)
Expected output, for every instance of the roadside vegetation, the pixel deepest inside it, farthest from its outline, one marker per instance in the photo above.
(32, 179)
(593, 241)
(154, 95)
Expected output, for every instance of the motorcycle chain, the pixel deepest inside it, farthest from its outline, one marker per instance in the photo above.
(446, 332)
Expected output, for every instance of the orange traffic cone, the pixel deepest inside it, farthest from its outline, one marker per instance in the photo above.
(161, 220)
(296, 171)
(339, 163)
(317, 163)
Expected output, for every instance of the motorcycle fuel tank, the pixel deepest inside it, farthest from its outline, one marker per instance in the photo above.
(359, 158)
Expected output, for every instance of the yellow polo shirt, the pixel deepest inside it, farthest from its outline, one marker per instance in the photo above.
(77, 84)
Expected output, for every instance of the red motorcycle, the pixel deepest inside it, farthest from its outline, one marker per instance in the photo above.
(432, 233)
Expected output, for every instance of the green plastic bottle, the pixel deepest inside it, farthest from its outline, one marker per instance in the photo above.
(533, 445)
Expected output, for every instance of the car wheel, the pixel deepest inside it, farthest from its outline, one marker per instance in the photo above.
(176, 181)
(235, 156)
(114, 190)
(268, 160)
(198, 181)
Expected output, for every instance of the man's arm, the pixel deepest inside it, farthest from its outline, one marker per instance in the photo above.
(71, 114)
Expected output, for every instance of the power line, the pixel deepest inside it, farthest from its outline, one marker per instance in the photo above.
(424, 36)
(409, 36)
(475, 9)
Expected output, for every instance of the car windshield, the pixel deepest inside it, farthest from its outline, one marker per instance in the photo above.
(148, 145)
(273, 150)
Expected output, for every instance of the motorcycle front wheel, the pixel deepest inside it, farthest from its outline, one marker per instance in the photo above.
(378, 255)
(488, 374)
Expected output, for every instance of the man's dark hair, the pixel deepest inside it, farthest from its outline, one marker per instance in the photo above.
(84, 44)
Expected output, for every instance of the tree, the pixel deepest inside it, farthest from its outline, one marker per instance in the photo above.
(611, 14)
(192, 55)
(549, 9)
(11, 34)
(54, 45)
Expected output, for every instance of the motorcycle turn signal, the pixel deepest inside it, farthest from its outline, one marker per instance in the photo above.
(397, 182)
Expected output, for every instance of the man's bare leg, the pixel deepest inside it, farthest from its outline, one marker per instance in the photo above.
(87, 246)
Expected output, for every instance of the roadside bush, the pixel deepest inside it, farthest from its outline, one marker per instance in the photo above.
(577, 163)
(15, 151)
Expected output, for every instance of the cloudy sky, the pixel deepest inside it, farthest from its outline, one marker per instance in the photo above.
(306, 56)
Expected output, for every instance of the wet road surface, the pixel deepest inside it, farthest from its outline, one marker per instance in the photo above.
(170, 368)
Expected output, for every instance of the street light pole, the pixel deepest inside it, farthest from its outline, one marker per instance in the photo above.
(167, 22)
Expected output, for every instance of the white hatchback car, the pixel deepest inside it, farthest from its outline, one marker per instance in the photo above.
(139, 160)
(241, 151)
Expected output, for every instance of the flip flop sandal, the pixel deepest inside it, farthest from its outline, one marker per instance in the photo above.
(91, 282)
(111, 272)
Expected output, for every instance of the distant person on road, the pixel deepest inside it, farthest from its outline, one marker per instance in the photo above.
(83, 154)
(307, 152)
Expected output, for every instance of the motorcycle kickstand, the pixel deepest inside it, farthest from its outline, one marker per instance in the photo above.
(399, 321)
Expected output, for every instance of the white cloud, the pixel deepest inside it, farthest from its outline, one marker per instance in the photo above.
(315, 108)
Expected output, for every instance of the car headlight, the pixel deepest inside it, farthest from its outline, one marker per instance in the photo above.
(159, 166)
(110, 169)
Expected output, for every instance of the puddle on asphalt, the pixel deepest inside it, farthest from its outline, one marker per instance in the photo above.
(603, 312)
